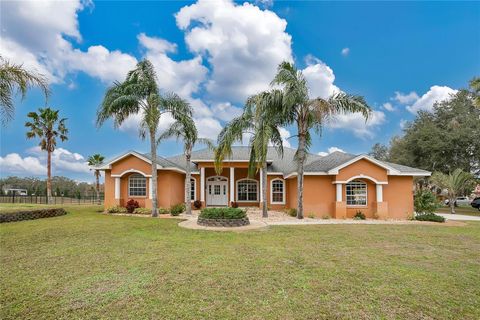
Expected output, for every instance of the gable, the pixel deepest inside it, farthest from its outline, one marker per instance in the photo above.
(130, 162)
(362, 167)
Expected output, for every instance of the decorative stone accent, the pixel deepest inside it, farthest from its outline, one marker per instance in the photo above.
(223, 222)
(31, 214)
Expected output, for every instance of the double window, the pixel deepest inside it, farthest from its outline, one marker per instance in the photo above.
(137, 186)
(247, 190)
(277, 191)
(356, 193)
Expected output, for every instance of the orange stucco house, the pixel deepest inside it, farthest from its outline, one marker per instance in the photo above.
(338, 184)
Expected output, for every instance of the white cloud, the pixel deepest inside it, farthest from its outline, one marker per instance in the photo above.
(242, 43)
(345, 52)
(285, 135)
(13, 164)
(405, 98)
(330, 150)
(226, 111)
(403, 123)
(320, 78)
(388, 106)
(208, 128)
(435, 94)
(62, 159)
(355, 123)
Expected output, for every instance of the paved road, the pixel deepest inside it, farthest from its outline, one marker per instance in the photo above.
(459, 217)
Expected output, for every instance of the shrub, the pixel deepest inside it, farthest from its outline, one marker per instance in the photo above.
(163, 211)
(132, 205)
(326, 216)
(429, 217)
(425, 201)
(177, 209)
(292, 212)
(359, 216)
(234, 204)
(311, 215)
(197, 204)
(142, 211)
(223, 213)
(117, 209)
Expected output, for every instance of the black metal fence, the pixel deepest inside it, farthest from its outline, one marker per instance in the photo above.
(53, 199)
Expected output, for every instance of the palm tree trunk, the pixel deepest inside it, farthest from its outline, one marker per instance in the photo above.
(153, 152)
(300, 163)
(188, 185)
(264, 190)
(451, 203)
(49, 175)
(97, 187)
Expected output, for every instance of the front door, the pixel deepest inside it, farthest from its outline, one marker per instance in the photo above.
(217, 193)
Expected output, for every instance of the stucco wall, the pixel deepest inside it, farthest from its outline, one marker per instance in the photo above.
(399, 196)
(364, 167)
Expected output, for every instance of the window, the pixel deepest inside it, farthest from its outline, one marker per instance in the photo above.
(192, 189)
(277, 191)
(137, 186)
(247, 190)
(356, 193)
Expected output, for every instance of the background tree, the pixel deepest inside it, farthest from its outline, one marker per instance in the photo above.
(47, 126)
(139, 94)
(184, 128)
(308, 113)
(454, 184)
(379, 152)
(261, 120)
(14, 78)
(475, 88)
(94, 161)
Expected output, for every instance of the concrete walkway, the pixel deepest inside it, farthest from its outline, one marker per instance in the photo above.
(459, 217)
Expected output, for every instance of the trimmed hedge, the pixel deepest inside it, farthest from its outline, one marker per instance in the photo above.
(31, 214)
(177, 209)
(429, 217)
(222, 213)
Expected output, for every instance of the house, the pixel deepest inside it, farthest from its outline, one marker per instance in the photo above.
(339, 184)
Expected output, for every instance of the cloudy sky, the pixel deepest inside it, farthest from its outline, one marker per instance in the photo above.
(402, 57)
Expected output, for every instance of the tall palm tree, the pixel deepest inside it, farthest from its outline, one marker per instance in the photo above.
(47, 126)
(308, 113)
(95, 161)
(260, 119)
(14, 77)
(454, 183)
(184, 128)
(139, 93)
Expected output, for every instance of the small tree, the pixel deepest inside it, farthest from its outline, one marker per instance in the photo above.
(425, 201)
(47, 126)
(455, 183)
(95, 161)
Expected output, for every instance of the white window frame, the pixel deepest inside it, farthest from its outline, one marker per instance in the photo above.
(271, 191)
(137, 176)
(248, 200)
(194, 189)
(356, 182)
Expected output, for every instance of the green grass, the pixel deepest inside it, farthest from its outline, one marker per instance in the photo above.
(89, 265)
(466, 210)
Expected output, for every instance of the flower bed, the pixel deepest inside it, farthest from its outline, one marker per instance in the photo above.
(31, 214)
(223, 217)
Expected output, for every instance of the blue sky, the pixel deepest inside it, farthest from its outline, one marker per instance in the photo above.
(402, 57)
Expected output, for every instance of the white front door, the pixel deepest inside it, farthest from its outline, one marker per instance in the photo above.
(217, 191)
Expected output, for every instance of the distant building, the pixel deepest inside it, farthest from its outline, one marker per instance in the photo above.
(14, 191)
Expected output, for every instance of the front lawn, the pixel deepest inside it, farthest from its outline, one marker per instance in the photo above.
(90, 265)
(466, 210)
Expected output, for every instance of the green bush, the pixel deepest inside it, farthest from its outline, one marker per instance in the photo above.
(292, 212)
(117, 209)
(425, 201)
(429, 217)
(359, 216)
(177, 209)
(311, 215)
(163, 211)
(222, 213)
(142, 211)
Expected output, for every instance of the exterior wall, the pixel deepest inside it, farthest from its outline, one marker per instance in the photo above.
(131, 162)
(398, 193)
(364, 167)
(292, 193)
(370, 208)
(109, 190)
(143, 202)
(170, 188)
(318, 195)
(275, 206)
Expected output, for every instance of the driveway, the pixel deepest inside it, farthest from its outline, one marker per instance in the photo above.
(459, 217)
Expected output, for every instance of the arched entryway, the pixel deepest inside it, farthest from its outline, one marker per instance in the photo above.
(217, 191)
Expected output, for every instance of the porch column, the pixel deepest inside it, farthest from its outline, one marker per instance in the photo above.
(261, 185)
(117, 189)
(379, 193)
(150, 188)
(340, 205)
(339, 192)
(202, 185)
(232, 184)
(381, 206)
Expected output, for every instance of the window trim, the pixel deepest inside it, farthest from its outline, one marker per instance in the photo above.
(366, 194)
(136, 176)
(194, 189)
(237, 189)
(271, 191)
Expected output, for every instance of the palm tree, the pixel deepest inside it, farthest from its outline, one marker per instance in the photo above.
(47, 126)
(455, 183)
(261, 120)
(14, 77)
(95, 161)
(139, 94)
(184, 128)
(308, 113)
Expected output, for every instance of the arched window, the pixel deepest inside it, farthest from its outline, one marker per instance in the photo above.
(193, 184)
(277, 191)
(137, 185)
(356, 192)
(247, 190)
